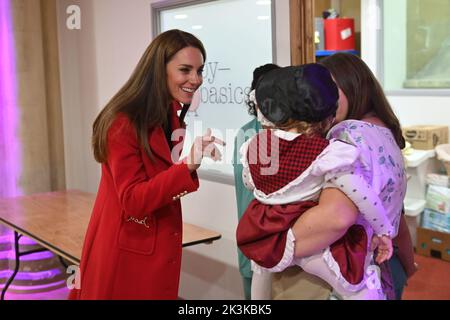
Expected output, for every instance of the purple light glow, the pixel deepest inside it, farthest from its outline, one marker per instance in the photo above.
(59, 292)
(11, 255)
(40, 287)
(10, 239)
(9, 145)
(10, 152)
(32, 276)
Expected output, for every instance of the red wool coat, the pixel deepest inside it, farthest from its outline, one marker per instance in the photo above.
(132, 248)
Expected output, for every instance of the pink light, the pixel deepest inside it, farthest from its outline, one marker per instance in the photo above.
(32, 276)
(10, 152)
(11, 255)
(40, 287)
(10, 239)
(58, 292)
(9, 115)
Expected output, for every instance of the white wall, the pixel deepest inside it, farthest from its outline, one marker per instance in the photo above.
(95, 62)
(79, 96)
(370, 33)
(282, 33)
(123, 30)
(415, 110)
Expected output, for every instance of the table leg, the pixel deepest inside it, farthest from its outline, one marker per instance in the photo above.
(18, 254)
(63, 262)
(16, 269)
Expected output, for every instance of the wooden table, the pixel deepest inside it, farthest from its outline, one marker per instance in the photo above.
(58, 221)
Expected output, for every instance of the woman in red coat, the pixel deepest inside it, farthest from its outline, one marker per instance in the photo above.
(132, 248)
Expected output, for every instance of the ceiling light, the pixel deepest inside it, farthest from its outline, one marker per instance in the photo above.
(181, 16)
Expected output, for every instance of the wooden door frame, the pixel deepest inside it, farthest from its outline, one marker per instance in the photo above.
(53, 94)
(301, 14)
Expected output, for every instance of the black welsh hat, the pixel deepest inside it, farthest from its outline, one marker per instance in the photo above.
(305, 93)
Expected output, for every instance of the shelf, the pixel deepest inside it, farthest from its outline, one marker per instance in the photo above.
(325, 53)
(414, 207)
(417, 157)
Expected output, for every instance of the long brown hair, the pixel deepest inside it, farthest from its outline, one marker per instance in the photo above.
(363, 91)
(144, 98)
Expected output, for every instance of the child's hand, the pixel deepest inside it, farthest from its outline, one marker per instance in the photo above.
(385, 249)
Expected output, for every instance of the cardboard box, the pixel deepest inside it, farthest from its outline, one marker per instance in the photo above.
(431, 243)
(426, 137)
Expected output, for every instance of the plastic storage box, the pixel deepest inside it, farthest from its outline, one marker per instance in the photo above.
(413, 214)
(436, 221)
(419, 164)
(339, 34)
(438, 199)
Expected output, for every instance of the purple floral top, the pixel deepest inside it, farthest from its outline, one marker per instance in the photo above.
(381, 163)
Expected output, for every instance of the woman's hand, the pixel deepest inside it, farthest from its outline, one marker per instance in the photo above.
(204, 146)
(385, 248)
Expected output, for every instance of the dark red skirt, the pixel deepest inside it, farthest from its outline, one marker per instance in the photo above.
(262, 232)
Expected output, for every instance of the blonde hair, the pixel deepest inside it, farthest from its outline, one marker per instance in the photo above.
(308, 128)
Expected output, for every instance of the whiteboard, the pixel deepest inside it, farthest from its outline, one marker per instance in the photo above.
(238, 37)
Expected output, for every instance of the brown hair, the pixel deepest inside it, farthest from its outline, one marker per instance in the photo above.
(144, 98)
(363, 91)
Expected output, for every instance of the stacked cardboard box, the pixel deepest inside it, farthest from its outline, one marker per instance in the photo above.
(432, 243)
(433, 239)
(426, 137)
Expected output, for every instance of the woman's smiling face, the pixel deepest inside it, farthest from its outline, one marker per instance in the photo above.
(184, 74)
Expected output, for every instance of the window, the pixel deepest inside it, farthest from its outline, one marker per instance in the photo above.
(238, 37)
(416, 44)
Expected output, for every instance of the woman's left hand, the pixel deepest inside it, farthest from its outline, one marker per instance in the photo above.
(384, 246)
(205, 146)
